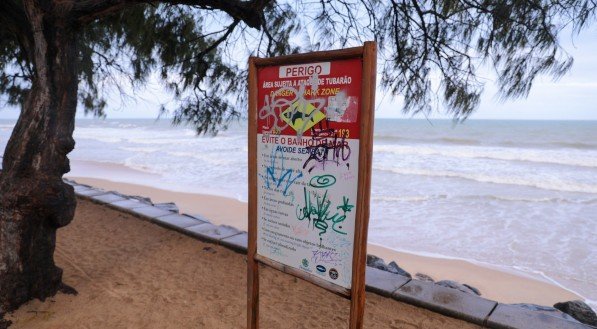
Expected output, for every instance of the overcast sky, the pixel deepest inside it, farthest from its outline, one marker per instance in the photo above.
(573, 97)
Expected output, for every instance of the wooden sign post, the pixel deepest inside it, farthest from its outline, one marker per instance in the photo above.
(310, 149)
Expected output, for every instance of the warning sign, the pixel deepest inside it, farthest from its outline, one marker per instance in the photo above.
(301, 116)
(310, 147)
(307, 160)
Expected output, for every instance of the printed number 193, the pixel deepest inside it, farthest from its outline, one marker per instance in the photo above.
(343, 133)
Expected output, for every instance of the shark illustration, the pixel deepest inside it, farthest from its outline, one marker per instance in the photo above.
(296, 115)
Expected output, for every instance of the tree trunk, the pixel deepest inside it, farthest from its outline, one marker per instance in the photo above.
(34, 201)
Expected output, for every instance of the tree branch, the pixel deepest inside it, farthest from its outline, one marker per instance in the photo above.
(250, 12)
(14, 19)
(213, 46)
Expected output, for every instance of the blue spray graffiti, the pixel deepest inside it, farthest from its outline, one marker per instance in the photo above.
(280, 176)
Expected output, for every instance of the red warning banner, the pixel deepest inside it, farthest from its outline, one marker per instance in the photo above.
(321, 98)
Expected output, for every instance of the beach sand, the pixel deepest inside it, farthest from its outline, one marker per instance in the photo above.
(134, 274)
(493, 282)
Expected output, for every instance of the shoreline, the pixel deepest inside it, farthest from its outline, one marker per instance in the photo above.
(120, 173)
(494, 282)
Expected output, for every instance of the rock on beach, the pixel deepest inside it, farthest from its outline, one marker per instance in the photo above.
(578, 310)
(462, 287)
(378, 263)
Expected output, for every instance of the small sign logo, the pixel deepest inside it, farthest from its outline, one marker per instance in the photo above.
(333, 274)
(305, 262)
(320, 268)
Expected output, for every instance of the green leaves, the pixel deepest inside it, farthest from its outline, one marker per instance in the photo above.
(430, 51)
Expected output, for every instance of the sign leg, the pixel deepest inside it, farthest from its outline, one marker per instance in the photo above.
(252, 265)
(357, 309)
(357, 301)
(252, 294)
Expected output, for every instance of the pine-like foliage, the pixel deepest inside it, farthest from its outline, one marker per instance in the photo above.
(430, 51)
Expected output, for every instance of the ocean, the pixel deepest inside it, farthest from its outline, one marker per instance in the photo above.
(514, 194)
